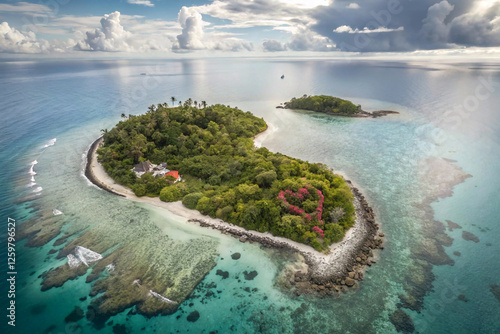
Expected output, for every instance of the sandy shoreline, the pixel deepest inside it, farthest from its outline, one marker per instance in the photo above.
(345, 259)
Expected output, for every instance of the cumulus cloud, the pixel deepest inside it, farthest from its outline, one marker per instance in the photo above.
(291, 16)
(111, 36)
(307, 40)
(480, 26)
(272, 45)
(353, 5)
(301, 40)
(140, 36)
(15, 41)
(434, 30)
(192, 34)
(477, 28)
(141, 2)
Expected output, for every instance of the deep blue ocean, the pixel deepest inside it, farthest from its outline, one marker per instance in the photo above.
(51, 111)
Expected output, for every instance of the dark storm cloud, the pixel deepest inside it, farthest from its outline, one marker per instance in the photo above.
(477, 30)
(405, 25)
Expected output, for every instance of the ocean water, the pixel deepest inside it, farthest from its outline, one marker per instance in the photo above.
(52, 111)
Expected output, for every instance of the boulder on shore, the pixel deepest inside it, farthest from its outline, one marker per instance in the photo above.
(349, 281)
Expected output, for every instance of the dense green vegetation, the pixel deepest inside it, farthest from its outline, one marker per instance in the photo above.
(225, 176)
(325, 104)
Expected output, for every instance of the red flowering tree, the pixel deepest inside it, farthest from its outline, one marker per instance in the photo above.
(319, 231)
(294, 203)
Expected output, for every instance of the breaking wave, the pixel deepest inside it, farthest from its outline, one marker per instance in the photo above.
(50, 143)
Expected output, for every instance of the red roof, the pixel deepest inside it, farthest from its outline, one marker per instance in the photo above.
(173, 173)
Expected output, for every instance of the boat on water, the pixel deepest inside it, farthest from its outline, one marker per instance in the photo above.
(283, 76)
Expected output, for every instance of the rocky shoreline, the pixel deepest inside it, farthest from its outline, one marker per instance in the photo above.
(326, 273)
(318, 279)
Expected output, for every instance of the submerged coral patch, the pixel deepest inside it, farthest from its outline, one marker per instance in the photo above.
(193, 316)
(222, 273)
(250, 275)
(470, 236)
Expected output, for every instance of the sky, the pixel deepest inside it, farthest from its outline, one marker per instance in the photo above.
(145, 28)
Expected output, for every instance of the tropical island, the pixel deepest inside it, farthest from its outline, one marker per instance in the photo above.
(200, 162)
(224, 176)
(332, 106)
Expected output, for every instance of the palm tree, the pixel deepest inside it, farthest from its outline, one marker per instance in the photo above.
(189, 102)
(195, 104)
(124, 116)
(180, 103)
(151, 108)
(204, 104)
(104, 131)
(173, 100)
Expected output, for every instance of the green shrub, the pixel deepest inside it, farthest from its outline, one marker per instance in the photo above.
(139, 190)
(191, 200)
(170, 194)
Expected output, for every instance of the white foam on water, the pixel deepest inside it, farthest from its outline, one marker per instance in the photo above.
(50, 143)
(31, 184)
(32, 172)
(160, 297)
(84, 165)
(57, 212)
(83, 255)
(73, 262)
(37, 189)
(86, 256)
(110, 267)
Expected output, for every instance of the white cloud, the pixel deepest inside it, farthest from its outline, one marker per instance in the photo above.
(192, 30)
(353, 5)
(291, 16)
(15, 41)
(193, 37)
(305, 4)
(250, 13)
(231, 44)
(307, 40)
(141, 2)
(25, 8)
(110, 37)
(272, 45)
(365, 30)
(343, 29)
(140, 35)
